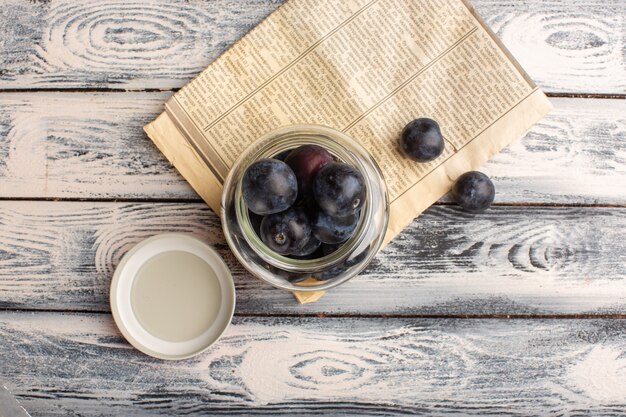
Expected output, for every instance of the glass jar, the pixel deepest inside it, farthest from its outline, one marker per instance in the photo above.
(333, 269)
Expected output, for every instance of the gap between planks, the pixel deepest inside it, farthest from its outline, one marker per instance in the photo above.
(609, 96)
(199, 200)
(322, 316)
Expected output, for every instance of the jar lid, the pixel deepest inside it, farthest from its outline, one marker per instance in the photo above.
(172, 296)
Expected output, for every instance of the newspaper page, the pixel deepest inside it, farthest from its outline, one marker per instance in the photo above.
(367, 68)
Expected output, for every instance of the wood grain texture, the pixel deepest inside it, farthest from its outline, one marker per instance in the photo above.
(79, 365)
(573, 46)
(511, 260)
(83, 145)
(122, 44)
(565, 46)
(61, 255)
(91, 145)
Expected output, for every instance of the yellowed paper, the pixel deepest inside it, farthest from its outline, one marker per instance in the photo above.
(366, 67)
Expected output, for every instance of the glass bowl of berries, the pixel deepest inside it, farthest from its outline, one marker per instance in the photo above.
(305, 208)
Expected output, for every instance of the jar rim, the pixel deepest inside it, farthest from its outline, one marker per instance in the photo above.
(265, 149)
(345, 149)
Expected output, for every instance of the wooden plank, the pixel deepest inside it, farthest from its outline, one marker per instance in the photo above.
(574, 46)
(83, 145)
(562, 44)
(132, 44)
(80, 365)
(510, 260)
(576, 154)
(90, 145)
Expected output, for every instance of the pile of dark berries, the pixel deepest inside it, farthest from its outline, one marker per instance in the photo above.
(309, 202)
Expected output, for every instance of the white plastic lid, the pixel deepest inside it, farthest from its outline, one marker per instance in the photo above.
(172, 296)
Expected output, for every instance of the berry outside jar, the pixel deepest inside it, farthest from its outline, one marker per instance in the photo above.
(333, 269)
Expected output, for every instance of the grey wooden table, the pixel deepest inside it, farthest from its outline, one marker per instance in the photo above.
(519, 311)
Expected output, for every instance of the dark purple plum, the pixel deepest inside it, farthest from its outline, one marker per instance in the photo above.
(421, 140)
(352, 260)
(474, 192)
(293, 277)
(315, 255)
(355, 258)
(287, 232)
(331, 273)
(329, 229)
(309, 249)
(340, 269)
(328, 248)
(307, 203)
(298, 278)
(339, 189)
(305, 162)
(281, 156)
(269, 186)
(255, 221)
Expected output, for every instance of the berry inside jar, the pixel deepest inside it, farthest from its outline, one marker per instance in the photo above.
(303, 203)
